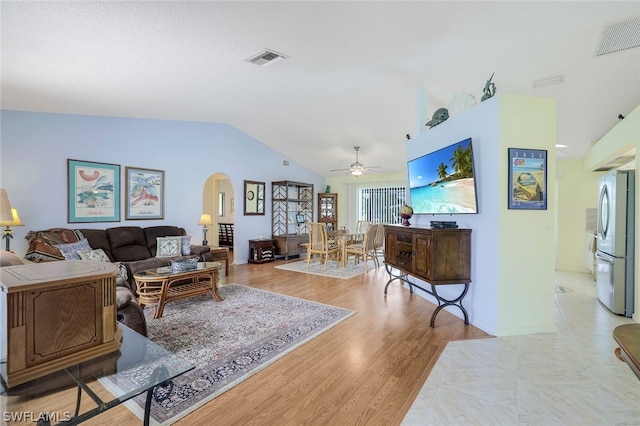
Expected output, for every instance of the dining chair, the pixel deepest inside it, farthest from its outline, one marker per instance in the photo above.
(362, 226)
(361, 229)
(365, 249)
(379, 243)
(319, 244)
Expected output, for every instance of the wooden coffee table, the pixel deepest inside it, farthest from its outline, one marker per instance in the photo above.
(158, 286)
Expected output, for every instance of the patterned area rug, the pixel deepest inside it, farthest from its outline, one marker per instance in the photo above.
(229, 341)
(334, 269)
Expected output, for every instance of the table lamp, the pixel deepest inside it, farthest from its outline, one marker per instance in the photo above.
(205, 220)
(8, 217)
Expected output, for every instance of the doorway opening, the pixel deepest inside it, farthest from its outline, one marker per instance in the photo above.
(219, 203)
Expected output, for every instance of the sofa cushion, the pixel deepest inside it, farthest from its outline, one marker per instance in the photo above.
(200, 250)
(153, 232)
(42, 244)
(98, 239)
(128, 243)
(123, 297)
(9, 259)
(70, 251)
(135, 266)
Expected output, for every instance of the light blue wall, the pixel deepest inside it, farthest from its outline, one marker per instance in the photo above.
(35, 147)
(480, 124)
(512, 251)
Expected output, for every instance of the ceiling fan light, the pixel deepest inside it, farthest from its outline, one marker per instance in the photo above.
(356, 172)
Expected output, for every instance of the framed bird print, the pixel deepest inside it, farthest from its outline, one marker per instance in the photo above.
(144, 193)
(93, 192)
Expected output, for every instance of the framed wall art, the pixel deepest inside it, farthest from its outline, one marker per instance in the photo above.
(144, 194)
(93, 192)
(527, 179)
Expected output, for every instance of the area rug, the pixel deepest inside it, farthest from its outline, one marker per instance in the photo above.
(228, 342)
(334, 269)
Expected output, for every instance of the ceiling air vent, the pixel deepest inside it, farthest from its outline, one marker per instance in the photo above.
(620, 36)
(266, 58)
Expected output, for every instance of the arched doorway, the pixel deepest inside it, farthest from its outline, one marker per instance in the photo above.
(218, 201)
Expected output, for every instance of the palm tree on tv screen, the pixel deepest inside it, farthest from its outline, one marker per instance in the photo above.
(462, 162)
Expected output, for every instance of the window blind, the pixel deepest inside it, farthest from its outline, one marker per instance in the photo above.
(378, 202)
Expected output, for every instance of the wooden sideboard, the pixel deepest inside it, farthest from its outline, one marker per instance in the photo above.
(436, 256)
(291, 245)
(54, 315)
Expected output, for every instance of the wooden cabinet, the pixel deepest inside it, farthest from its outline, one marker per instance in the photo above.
(292, 207)
(55, 315)
(437, 256)
(328, 210)
(261, 251)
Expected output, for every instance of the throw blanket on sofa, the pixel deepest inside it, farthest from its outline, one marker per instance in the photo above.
(42, 243)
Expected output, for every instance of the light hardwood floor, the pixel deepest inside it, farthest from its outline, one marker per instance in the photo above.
(366, 370)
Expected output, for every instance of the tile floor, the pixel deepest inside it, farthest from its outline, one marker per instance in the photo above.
(570, 377)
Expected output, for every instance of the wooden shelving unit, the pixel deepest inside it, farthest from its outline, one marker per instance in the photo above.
(328, 210)
(292, 207)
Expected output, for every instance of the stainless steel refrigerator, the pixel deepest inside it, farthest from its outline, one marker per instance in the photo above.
(615, 241)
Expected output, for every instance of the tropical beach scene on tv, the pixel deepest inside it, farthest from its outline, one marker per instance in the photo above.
(442, 182)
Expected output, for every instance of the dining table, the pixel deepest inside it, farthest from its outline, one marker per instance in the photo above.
(343, 238)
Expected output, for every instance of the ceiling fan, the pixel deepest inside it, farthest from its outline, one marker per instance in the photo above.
(357, 168)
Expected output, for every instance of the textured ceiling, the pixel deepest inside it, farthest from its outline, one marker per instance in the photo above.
(352, 77)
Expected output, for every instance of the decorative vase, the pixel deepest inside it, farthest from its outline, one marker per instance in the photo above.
(406, 213)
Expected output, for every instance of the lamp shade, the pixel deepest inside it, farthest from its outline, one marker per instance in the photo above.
(15, 219)
(205, 220)
(5, 206)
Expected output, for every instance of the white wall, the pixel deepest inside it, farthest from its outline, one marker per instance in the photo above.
(526, 237)
(577, 191)
(35, 148)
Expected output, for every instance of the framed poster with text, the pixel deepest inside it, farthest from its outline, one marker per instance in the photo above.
(527, 179)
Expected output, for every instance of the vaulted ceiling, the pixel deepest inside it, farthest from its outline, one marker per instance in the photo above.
(353, 74)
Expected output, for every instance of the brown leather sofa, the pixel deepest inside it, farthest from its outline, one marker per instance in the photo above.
(132, 247)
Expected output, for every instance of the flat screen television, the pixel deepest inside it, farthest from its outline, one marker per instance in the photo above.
(443, 181)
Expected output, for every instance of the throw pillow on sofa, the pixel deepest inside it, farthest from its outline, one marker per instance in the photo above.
(168, 246)
(97, 255)
(186, 245)
(70, 251)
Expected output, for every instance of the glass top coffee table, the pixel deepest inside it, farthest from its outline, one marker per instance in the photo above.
(158, 286)
(139, 366)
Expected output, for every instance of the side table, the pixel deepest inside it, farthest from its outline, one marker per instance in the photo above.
(261, 251)
(219, 254)
(628, 338)
(158, 286)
